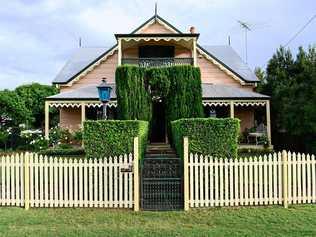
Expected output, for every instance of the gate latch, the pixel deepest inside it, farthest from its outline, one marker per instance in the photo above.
(128, 169)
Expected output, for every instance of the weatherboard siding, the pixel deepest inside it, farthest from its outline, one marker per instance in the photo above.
(210, 73)
(105, 69)
(155, 28)
(70, 118)
(246, 116)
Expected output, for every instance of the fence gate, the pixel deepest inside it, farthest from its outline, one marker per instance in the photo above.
(162, 184)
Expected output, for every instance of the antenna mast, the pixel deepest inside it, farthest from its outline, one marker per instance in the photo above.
(80, 42)
(246, 27)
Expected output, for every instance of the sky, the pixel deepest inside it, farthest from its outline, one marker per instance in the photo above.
(38, 36)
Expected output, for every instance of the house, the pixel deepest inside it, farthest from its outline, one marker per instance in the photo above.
(228, 83)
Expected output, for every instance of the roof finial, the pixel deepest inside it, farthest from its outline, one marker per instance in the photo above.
(156, 11)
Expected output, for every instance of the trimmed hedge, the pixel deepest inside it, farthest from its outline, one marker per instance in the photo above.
(208, 136)
(63, 152)
(184, 99)
(134, 101)
(179, 87)
(104, 138)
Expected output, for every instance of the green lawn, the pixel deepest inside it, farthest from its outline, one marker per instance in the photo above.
(270, 221)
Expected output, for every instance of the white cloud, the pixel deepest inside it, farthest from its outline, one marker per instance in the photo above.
(36, 36)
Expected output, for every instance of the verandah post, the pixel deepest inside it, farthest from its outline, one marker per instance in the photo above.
(46, 120)
(26, 181)
(285, 178)
(186, 172)
(136, 174)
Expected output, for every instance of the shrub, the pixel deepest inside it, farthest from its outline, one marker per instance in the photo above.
(184, 99)
(59, 135)
(105, 138)
(77, 136)
(207, 136)
(178, 86)
(134, 101)
(32, 140)
(59, 151)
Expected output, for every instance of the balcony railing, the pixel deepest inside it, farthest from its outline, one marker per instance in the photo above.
(157, 62)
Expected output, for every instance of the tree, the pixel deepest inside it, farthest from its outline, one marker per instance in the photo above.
(12, 109)
(34, 96)
(291, 83)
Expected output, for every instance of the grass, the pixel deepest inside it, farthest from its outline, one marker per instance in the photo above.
(259, 221)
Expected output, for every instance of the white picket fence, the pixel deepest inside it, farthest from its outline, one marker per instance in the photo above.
(41, 181)
(279, 178)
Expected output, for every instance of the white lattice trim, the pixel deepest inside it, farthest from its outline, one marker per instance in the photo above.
(148, 38)
(236, 103)
(250, 103)
(74, 104)
(215, 103)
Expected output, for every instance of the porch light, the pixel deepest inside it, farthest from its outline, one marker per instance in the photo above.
(104, 91)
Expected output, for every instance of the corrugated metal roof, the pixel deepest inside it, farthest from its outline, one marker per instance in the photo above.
(85, 93)
(228, 56)
(82, 58)
(209, 91)
(86, 56)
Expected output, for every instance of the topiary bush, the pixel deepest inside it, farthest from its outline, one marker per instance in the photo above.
(133, 99)
(208, 136)
(178, 86)
(184, 99)
(104, 138)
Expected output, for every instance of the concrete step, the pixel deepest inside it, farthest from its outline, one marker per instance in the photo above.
(160, 151)
(173, 155)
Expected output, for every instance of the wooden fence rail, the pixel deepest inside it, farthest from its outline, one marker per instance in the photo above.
(274, 179)
(277, 178)
(41, 181)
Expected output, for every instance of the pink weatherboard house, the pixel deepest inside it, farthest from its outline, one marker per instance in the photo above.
(228, 83)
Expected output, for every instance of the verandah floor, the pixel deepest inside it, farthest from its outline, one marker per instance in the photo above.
(259, 221)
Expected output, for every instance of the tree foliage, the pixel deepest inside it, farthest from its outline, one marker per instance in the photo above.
(33, 95)
(12, 109)
(291, 83)
(133, 99)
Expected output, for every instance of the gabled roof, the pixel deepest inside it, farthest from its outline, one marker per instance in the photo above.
(231, 60)
(158, 18)
(209, 91)
(86, 57)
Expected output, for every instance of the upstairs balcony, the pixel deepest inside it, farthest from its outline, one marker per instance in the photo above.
(157, 62)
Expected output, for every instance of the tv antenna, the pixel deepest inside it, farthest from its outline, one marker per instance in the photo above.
(246, 27)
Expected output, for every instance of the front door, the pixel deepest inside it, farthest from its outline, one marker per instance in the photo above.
(158, 123)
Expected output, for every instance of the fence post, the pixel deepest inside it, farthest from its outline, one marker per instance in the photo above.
(186, 172)
(285, 178)
(26, 181)
(136, 174)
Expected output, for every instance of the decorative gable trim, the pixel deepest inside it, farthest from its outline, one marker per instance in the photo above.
(166, 24)
(220, 65)
(92, 66)
(153, 20)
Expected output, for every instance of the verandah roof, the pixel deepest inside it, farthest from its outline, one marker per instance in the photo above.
(209, 91)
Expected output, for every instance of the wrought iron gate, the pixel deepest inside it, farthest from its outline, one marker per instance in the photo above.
(162, 184)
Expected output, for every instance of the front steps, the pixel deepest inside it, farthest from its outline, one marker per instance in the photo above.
(160, 150)
(161, 179)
